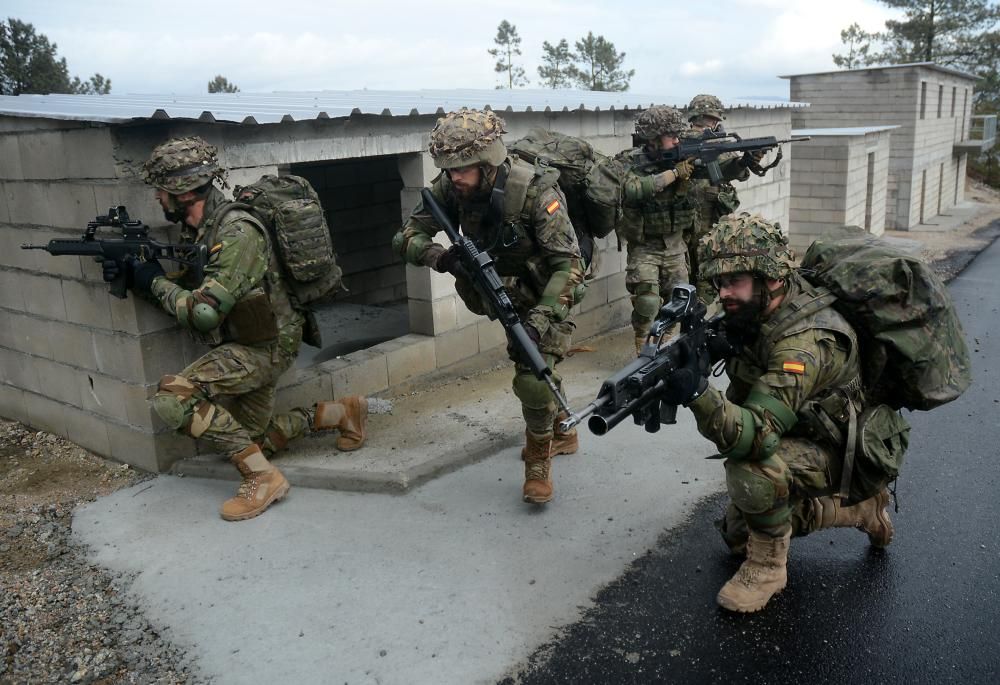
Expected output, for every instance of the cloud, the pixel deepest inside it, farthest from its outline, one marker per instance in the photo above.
(692, 69)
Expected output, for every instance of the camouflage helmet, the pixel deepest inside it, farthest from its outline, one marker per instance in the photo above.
(468, 137)
(182, 164)
(745, 243)
(705, 105)
(659, 120)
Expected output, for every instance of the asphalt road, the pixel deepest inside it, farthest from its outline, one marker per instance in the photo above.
(925, 610)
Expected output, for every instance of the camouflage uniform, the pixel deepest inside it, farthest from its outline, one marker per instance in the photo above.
(714, 202)
(533, 245)
(655, 220)
(793, 380)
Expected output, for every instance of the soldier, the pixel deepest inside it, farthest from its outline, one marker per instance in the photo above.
(658, 211)
(797, 373)
(529, 235)
(243, 310)
(705, 113)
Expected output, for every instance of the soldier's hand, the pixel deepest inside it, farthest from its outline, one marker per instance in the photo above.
(143, 274)
(111, 270)
(449, 261)
(684, 169)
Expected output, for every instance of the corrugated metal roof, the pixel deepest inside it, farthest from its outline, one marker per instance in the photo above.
(263, 108)
(926, 65)
(845, 131)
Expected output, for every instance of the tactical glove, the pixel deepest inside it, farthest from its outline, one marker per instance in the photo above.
(143, 274)
(684, 169)
(449, 261)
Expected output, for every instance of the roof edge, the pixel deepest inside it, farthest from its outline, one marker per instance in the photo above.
(927, 65)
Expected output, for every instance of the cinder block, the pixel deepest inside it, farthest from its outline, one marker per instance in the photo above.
(463, 316)
(11, 296)
(86, 430)
(407, 357)
(88, 154)
(72, 345)
(421, 313)
(58, 381)
(456, 345)
(10, 158)
(427, 284)
(104, 396)
(12, 403)
(162, 353)
(43, 413)
(32, 336)
(491, 335)
(146, 451)
(120, 356)
(136, 316)
(616, 287)
(43, 297)
(18, 370)
(596, 295)
(29, 202)
(138, 409)
(317, 387)
(87, 304)
(361, 373)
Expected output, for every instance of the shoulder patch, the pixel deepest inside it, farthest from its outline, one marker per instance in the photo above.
(794, 367)
(553, 207)
(215, 248)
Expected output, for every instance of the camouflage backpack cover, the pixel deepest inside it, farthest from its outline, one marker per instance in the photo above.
(913, 347)
(290, 210)
(575, 159)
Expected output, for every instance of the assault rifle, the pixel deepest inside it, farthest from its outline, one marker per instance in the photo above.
(478, 266)
(642, 389)
(706, 149)
(134, 243)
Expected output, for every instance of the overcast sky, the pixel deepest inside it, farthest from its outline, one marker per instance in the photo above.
(733, 48)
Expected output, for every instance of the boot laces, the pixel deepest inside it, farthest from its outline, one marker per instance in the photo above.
(248, 487)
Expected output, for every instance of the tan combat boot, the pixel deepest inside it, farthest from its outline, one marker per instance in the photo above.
(563, 443)
(870, 516)
(537, 470)
(760, 577)
(348, 415)
(262, 486)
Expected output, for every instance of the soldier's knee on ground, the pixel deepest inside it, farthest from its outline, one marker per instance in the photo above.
(179, 404)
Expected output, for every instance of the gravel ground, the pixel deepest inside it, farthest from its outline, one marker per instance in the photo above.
(63, 620)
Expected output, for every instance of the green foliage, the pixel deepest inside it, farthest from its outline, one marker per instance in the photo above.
(859, 43)
(508, 47)
(599, 65)
(29, 64)
(220, 84)
(557, 65)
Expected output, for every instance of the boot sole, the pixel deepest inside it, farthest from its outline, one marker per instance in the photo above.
(747, 608)
(278, 495)
(536, 500)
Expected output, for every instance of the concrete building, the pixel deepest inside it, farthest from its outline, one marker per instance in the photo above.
(931, 106)
(839, 178)
(82, 364)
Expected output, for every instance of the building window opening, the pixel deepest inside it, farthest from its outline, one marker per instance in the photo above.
(361, 199)
(923, 99)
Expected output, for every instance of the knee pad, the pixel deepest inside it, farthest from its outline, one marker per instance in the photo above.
(177, 404)
(532, 392)
(646, 302)
(170, 408)
(750, 490)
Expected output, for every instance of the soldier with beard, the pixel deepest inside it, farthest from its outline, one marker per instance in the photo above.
(516, 212)
(243, 309)
(792, 373)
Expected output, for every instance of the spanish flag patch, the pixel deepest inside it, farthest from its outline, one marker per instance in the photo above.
(552, 207)
(794, 367)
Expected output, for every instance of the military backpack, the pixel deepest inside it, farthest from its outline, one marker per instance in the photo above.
(289, 208)
(912, 344)
(575, 159)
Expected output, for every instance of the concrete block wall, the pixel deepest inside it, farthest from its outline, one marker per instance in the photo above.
(912, 98)
(830, 184)
(361, 200)
(83, 364)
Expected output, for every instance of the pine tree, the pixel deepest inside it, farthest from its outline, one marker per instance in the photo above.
(508, 47)
(220, 84)
(599, 65)
(557, 69)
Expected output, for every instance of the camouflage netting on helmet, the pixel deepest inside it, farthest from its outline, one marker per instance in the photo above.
(705, 105)
(659, 120)
(183, 164)
(468, 137)
(745, 243)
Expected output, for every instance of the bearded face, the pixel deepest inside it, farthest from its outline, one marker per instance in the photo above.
(744, 300)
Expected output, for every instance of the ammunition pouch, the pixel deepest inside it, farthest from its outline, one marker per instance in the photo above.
(252, 320)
